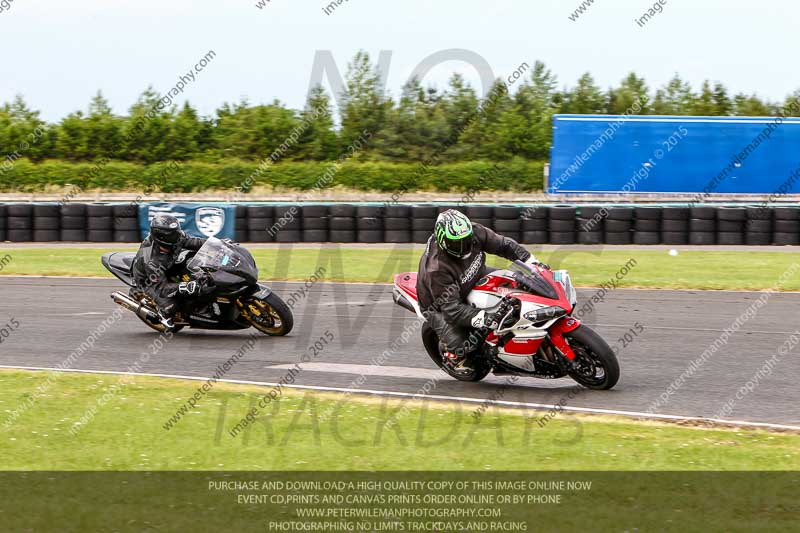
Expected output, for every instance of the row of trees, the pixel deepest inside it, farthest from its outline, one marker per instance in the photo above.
(420, 123)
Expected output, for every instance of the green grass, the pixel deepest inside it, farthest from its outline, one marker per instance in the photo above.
(307, 431)
(653, 269)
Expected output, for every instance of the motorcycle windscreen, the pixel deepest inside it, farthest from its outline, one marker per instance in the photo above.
(230, 261)
(535, 284)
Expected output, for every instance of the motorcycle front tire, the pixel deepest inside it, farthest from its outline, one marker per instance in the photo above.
(269, 315)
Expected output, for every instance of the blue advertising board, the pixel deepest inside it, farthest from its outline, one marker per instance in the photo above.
(197, 220)
(678, 154)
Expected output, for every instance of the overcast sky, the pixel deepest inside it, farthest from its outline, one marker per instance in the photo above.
(59, 53)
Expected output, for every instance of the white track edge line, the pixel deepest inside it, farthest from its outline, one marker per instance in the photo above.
(461, 399)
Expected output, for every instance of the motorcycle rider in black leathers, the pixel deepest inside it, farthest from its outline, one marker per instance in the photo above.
(454, 260)
(161, 257)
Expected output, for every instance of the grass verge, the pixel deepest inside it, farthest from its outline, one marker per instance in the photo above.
(652, 268)
(315, 431)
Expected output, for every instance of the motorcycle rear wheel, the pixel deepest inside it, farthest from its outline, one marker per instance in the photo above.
(598, 368)
(431, 342)
(269, 315)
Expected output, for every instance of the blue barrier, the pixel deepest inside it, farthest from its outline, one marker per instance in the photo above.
(651, 154)
(197, 220)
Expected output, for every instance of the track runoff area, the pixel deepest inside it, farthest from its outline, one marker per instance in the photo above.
(707, 384)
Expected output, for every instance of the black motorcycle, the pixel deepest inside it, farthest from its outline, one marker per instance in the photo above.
(236, 300)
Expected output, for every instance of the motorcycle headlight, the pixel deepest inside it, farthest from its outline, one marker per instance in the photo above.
(545, 313)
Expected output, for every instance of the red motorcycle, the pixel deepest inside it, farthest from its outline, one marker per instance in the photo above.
(537, 336)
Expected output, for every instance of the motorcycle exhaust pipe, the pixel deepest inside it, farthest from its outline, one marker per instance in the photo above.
(141, 310)
(401, 300)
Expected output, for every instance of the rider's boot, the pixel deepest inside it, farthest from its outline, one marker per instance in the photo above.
(165, 320)
(166, 312)
(459, 359)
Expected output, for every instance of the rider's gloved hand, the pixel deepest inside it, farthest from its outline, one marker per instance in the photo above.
(535, 262)
(201, 277)
(205, 282)
(188, 288)
(479, 320)
(492, 319)
(200, 283)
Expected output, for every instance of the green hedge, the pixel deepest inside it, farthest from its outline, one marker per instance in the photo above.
(193, 176)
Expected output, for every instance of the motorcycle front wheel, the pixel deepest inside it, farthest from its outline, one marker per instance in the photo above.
(269, 315)
(431, 342)
(596, 366)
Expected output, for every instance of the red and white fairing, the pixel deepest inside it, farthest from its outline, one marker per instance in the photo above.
(527, 333)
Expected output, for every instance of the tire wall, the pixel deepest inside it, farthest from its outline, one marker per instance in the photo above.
(413, 223)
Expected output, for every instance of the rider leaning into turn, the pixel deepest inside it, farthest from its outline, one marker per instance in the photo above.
(454, 260)
(161, 257)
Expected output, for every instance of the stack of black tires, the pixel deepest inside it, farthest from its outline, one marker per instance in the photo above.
(787, 226)
(413, 223)
(370, 223)
(19, 223)
(423, 218)
(125, 223)
(69, 222)
(673, 225)
(562, 224)
(260, 223)
(533, 224)
(591, 225)
(342, 223)
(315, 223)
(507, 221)
(618, 228)
(47, 222)
(647, 225)
(288, 225)
(100, 224)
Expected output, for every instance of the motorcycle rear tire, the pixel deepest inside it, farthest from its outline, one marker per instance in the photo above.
(431, 342)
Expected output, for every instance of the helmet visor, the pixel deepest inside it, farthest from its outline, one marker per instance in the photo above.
(167, 237)
(460, 248)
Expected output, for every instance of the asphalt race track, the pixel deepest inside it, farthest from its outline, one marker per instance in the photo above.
(57, 314)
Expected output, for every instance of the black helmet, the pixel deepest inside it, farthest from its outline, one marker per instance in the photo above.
(453, 232)
(165, 230)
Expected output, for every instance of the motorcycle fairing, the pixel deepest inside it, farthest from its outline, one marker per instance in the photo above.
(539, 288)
(404, 292)
(119, 264)
(263, 292)
(228, 263)
(557, 331)
(496, 280)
